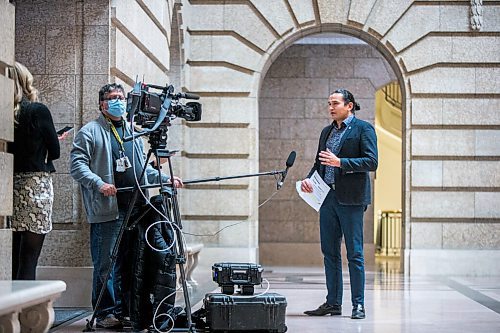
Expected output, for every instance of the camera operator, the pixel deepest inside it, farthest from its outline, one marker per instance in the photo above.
(102, 162)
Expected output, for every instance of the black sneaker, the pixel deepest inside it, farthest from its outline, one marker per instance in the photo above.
(358, 312)
(110, 321)
(324, 309)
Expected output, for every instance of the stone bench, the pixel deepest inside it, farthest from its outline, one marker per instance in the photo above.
(26, 306)
(192, 253)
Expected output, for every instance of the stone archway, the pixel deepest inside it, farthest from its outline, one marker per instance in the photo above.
(291, 113)
(228, 48)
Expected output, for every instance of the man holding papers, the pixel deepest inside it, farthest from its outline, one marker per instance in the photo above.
(347, 152)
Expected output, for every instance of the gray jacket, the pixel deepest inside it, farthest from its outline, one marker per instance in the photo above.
(92, 166)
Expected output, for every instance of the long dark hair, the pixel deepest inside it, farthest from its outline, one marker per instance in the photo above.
(348, 97)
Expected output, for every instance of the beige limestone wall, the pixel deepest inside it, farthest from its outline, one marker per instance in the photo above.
(448, 73)
(449, 78)
(7, 24)
(292, 112)
(73, 49)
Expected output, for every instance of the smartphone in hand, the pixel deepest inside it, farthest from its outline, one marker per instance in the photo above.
(65, 129)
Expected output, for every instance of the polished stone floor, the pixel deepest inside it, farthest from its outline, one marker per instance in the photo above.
(394, 302)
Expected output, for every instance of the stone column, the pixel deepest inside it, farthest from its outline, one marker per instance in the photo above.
(7, 20)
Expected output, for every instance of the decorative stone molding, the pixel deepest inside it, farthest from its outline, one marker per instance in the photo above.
(476, 14)
(26, 306)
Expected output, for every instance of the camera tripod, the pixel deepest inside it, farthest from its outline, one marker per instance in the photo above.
(170, 209)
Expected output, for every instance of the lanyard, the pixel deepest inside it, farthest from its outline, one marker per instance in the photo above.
(116, 135)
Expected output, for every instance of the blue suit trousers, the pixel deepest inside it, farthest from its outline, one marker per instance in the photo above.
(338, 220)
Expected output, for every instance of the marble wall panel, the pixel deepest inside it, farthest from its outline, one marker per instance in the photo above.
(289, 108)
(288, 67)
(471, 173)
(6, 107)
(442, 204)
(7, 26)
(424, 52)
(134, 63)
(486, 205)
(195, 16)
(252, 28)
(217, 78)
(459, 111)
(58, 92)
(96, 41)
(329, 68)
(487, 81)
(373, 69)
(96, 12)
(443, 143)
(68, 248)
(360, 9)
(455, 111)
(60, 50)
(218, 141)
(333, 11)
(41, 13)
(276, 13)
(303, 10)
(5, 254)
(427, 173)
(390, 11)
(30, 47)
(487, 143)
(6, 174)
(140, 25)
(417, 22)
(216, 202)
(64, 200)
(471, 236)
(426, 111)
(476, 49)
(426, 235)
(444, 80)
(360, 87)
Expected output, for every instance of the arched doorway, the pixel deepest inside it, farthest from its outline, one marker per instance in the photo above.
(292, 112)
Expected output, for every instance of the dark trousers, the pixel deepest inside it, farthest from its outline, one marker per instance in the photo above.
(103, 237)
(337, 220)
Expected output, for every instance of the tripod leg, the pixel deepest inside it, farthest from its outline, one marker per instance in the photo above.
(113, 258)
(174, 215)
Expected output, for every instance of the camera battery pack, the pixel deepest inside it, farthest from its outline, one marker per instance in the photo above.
(264, 313)
(245, 275)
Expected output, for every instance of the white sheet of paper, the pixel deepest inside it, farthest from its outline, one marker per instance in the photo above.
(319, 193)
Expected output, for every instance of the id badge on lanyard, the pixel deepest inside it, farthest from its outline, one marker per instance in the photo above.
(122, 163)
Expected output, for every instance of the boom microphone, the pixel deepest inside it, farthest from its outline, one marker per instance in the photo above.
(289, 163)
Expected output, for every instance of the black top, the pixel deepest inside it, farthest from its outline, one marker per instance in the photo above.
(35, 143)
(127, 178)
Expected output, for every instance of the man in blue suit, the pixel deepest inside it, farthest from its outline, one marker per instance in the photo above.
(347, 151)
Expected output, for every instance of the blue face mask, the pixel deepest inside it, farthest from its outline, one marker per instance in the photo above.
(116, 107)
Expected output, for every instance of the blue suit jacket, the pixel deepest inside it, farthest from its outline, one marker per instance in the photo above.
(358, 156)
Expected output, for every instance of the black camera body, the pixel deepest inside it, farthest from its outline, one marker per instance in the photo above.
(146, 106)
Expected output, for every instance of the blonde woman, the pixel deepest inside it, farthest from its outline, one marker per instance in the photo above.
(35, 146)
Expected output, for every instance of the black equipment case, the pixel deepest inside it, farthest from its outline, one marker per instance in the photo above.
(245, 275)
(264, 313)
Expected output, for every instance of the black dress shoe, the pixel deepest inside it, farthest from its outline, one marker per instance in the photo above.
(358, 312)
(324, 309)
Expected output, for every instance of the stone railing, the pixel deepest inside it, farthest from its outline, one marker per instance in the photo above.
(26, 306)
(192, 255)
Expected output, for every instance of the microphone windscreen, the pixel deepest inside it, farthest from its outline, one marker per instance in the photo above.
(291, 159)
(191, 96)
